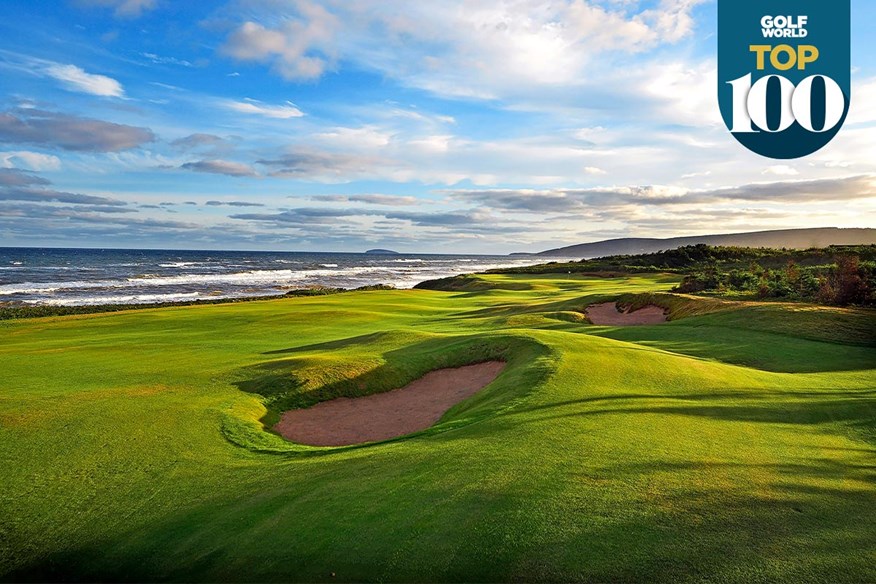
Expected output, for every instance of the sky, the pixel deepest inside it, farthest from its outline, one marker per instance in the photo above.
(459, 126)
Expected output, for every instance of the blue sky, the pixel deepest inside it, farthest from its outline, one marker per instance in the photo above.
(341, 125)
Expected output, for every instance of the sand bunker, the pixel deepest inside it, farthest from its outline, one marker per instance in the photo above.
(381, 416)
(608, 314)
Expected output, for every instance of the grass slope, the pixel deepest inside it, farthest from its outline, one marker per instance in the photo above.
(735, 443)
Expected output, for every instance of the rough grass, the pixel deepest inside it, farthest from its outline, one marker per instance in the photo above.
(729, 445)
(677, 305)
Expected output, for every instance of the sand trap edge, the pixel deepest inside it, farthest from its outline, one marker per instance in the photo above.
(417, 406)
(607, 314)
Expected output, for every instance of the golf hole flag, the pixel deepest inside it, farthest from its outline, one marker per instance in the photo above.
(784, 73)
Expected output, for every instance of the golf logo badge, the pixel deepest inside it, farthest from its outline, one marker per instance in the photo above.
(784, 73)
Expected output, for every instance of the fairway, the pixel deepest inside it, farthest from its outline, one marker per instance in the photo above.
(734, 443)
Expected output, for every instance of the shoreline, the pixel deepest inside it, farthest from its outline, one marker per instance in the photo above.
(20, 310)
(94, 279)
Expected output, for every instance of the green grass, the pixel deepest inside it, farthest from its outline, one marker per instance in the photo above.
(735, 443)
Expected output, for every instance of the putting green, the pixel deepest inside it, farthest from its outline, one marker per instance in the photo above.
(737, 443)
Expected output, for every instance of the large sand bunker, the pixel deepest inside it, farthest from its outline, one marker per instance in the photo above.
(381, 416)
(608, 314)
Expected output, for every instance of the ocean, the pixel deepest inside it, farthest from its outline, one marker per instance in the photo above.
(77, 277)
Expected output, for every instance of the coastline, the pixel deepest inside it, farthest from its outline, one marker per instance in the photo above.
(20, 310)
(132, 277)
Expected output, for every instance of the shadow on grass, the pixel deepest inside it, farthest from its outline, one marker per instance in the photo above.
(741, 395)
(330, 345)
(853, 410)
(803, 520)
(757, 349)
(516, 309)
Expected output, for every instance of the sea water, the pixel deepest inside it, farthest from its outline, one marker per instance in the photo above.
(111, 276)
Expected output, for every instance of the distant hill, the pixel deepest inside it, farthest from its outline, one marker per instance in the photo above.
(382, 252)
(789, 238)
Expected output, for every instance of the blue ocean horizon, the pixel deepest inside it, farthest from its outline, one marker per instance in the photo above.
(92, 276)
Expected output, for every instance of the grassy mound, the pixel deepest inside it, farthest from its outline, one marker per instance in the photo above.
(377, 363)
(677, 305)
(469, 283)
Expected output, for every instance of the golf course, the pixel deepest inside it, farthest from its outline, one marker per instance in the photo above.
(735, 442)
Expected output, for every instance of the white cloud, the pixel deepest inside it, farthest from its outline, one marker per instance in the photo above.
(436, 144)
(27, 160)
(862, 110)
(368, 137)
(226, 167)
(594, 134)
(251, 106)
(781, 170)
(76, 79)
(302, 47)
(370, 199)
(161, 60)
(475, 49)
(672, 20)
(684, 93)
(123, 8)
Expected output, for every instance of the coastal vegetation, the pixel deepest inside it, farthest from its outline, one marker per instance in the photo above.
(835, 275)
